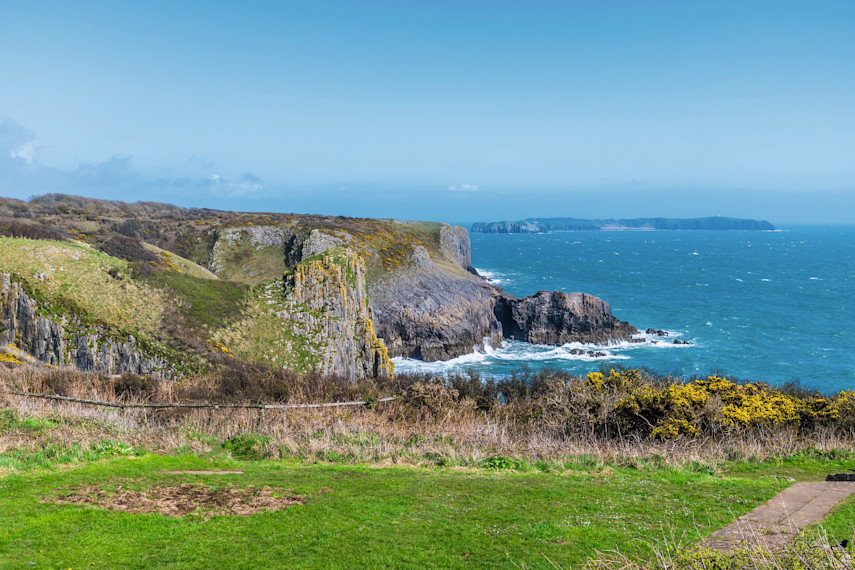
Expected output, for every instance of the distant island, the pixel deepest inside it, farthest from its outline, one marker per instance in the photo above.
(541, 225)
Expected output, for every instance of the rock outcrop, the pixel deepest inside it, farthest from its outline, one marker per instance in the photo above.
(554, 317)
(455, 245)
(434, 312)
(317, 316)
(68, 342)
(326, 307)
(438, 309)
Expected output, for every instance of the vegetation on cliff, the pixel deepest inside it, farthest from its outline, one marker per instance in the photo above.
(200, 277)
(181, 281)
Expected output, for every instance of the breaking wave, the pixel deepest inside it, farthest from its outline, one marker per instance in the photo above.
(513, 354)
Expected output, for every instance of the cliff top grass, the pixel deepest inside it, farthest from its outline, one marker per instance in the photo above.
(167, 302)
(386, 245)
(67, 278)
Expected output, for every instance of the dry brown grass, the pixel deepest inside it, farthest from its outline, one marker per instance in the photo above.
(426, 425)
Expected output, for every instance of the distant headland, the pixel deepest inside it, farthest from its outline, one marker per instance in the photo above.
(541, 225)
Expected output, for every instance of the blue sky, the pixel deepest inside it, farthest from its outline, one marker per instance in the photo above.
(443, 110)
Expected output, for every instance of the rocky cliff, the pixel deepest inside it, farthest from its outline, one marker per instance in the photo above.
(554, 317)
(316, 316)
(67, 342)
(325, 304)
(435, 310)
(303, 292)
(440, 308)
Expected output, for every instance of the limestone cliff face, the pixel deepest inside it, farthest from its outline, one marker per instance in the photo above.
(68, 342)
(454, 244)
(438, 309)
(315, 315)
(433, 312)
(325, 303)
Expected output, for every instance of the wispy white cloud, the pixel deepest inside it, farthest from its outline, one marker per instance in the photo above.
(16, 141)
(23, 174)
(245, 185)
(464, 188)
(25, 151)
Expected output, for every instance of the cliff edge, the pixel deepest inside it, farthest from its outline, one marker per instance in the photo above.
(149, 287)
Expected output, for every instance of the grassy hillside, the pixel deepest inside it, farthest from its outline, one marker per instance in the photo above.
(385, 245)
(145, 269)
(74, 278)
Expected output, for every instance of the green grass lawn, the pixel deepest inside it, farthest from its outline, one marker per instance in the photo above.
(368, 517)
(358, 515)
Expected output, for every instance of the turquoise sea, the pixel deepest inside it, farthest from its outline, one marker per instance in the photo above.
(774, 306)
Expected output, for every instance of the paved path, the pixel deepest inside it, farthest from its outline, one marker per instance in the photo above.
(780, 519)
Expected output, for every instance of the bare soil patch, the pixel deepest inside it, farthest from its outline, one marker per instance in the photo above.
(187, 499)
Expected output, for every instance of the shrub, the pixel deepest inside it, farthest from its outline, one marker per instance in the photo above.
(432, 397)
(248, 446)
(16, 229)
(130, 249)
(134, 387)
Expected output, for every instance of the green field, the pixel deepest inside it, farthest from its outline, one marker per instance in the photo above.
(358, 515)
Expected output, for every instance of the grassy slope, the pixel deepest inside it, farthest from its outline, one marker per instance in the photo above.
(181, 265)
(173, 306)
(66, 277)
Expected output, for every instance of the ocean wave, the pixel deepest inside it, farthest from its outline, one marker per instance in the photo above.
(515, 352)
(493, 277)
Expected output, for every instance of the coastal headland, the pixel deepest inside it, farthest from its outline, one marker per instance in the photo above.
(152, 288)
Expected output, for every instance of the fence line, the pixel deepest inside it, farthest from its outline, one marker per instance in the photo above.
(200, 405)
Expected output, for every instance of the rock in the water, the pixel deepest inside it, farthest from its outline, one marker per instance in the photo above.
(657, 332)
(554, 317)
(441, 309)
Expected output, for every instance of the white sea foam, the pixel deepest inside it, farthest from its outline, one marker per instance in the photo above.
(493, 277)
(514, 352)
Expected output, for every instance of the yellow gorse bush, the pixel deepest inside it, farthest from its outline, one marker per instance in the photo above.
(673, 428)
(762, 408)
(9, 358)
(666, 410)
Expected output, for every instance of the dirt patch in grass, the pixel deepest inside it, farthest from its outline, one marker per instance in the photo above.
(186, 499)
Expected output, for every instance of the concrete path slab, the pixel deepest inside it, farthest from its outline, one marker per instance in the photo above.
(780, 519)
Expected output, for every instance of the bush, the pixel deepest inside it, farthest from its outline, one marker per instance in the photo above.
(133, 251)
(134, 387)
(248, 446)
(16, 229)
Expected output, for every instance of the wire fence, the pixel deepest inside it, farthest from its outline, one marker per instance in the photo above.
(196, 405)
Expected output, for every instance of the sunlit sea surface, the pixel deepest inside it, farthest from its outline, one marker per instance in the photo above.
(773, 306)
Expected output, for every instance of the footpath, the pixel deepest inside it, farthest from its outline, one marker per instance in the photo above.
(779, 520)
